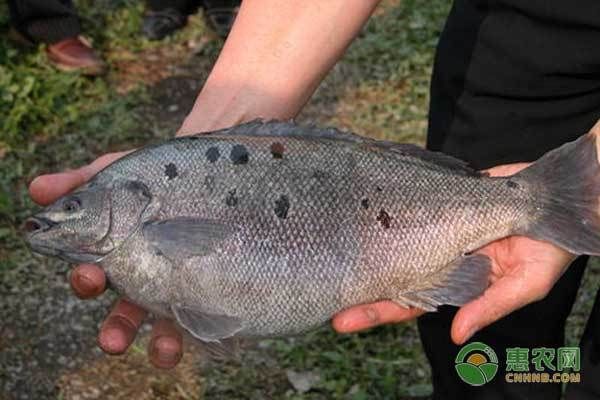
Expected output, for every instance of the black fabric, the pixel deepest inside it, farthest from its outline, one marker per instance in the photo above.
(186, 7)
(45, 21)
(513, 79)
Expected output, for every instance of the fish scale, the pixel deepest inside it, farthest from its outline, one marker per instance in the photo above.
(269, 228)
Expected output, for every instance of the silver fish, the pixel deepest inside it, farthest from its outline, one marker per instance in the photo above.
(270, 228)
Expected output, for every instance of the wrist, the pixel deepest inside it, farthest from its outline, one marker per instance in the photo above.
(222, 106)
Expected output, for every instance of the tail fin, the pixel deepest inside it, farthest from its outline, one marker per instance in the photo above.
(568, 179)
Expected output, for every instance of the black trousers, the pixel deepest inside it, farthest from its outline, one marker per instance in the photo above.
(46, 21)
(540, 324)
(186, 7)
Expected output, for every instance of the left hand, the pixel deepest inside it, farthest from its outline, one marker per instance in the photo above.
(523, 271)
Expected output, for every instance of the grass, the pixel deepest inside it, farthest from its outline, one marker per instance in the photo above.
(52, 120)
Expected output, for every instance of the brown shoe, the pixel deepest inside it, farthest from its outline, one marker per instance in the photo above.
(75, 54)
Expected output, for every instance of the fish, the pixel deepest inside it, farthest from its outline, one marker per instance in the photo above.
(269, 228)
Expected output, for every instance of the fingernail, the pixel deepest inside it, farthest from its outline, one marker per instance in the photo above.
(166, 351)
(85, 284)
(470, 333)
(371, 315)
(365, 319)
(112, 340)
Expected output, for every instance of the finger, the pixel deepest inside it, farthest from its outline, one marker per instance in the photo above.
(166, 345)
(368, 315)
(45, 189)
(87, 281)
(506, 295)
(120, 327)
(507, 170)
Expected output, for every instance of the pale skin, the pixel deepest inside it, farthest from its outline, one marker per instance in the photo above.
(274, 58)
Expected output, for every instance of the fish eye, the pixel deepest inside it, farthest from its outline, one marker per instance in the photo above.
(71, 204)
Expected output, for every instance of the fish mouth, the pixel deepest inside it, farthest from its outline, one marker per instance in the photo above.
(66, 255)
(44, 250)
(33, 227)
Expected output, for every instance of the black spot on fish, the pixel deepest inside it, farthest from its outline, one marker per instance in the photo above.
(512, 184)
(209, 183)
(277, 150)
(318, 174)
(194, 137)
(231, 199)
(171, 171)
(379, 188)
(239, 154)
(384, 218)
(212, 154)
(282, 206)
(364, 203)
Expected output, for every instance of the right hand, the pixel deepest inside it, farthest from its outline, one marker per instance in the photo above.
(87, 280)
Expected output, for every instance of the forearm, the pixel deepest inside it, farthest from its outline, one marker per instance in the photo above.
(275, 56)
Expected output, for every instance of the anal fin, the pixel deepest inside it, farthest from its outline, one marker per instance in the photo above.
(465, 279)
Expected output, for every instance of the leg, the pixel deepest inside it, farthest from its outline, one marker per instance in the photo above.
(536, 325)
(45, 21)
(589, 387)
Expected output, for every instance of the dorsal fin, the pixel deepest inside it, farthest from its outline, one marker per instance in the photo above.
(411, 150)
(259, 127)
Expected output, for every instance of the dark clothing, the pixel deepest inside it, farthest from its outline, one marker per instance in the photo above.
(513, 79)
(45, 21)
(185, 7)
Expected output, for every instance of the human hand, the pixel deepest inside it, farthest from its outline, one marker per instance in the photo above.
(523, 271)
(87, 280)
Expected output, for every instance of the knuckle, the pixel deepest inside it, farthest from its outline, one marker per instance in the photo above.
(372, 315)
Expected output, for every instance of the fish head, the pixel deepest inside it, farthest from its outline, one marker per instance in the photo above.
(89, 223)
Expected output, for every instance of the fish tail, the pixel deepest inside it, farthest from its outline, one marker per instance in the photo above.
(567, 194)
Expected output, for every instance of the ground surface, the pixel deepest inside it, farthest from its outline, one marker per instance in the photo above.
(51, 121)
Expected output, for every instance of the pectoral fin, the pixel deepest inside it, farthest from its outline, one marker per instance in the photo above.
(465, 279)
(185, 237)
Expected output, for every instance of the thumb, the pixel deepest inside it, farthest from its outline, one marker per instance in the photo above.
(45, 189)
(505, 296)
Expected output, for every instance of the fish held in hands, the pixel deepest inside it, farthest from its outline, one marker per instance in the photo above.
(270, 228)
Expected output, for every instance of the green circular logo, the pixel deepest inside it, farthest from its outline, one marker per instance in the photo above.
(476, 363)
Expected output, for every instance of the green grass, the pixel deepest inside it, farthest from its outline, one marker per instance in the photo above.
(53, 120)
